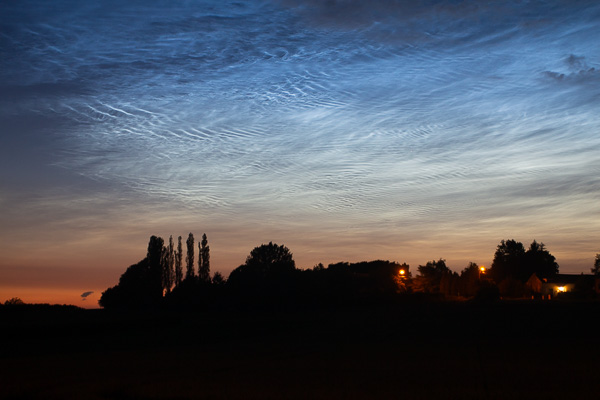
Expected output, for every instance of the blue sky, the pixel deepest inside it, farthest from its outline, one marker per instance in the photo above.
(346, 130)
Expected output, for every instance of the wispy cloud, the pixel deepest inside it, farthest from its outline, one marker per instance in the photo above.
(84, 295)
(428, 117)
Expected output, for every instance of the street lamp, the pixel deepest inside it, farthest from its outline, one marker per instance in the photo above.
(481, 271)
(401, 280)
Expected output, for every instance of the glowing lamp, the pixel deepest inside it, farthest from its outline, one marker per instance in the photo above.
(561, 289)
(402, 272)
(482, 269)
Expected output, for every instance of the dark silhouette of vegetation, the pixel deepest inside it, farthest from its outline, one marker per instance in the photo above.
(168, 269)
(470, 280)
(197, 290)
(179, 263)
(271, 260)
(15, 301)
(346, 283)
(596, 269)
(432, 277)
(513, 266)
(488, 292)
(508, 260)
(268, 272)
(204, 260)
(512, 261)
(218, 279)
(189, 261)
(156, 259)
(539, 261)
(133, 290)
(157, 276)
(435, 278)
(269, 277)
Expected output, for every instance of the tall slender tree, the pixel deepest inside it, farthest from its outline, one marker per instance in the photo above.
(204, 260)
(178, 263)
(169, 260)
(189, 273)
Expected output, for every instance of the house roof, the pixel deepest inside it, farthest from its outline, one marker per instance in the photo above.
(570, 279)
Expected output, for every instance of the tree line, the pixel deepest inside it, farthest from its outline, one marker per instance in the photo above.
(511, 268)
(269, 275)
(160, 274)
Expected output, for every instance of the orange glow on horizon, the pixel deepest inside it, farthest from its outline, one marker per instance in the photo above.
(51, 296)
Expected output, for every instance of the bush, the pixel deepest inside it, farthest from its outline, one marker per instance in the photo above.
(15, 301)
(488, 293)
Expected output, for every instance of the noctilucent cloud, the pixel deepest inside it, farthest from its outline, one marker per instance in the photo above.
(346, 130)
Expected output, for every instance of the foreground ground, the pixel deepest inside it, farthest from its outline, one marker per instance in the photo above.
(531, 350)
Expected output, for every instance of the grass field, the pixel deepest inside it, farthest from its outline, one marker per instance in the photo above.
(443, 350)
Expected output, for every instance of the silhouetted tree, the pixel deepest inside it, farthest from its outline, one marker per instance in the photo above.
(142, 283)
(204, 260)
(488, 292)
(469, 280)
(15, 301)
(268, 266)
(538, 260)
(178, 263)
(430, 276)
(168, 263)
(218, 279)
(508, 260)
(403, 278)
(189, 273)
(271, 259)
(448, 286)
(134, 288)
(156, 260)
(319, 267)
(368, 278)
(512, 263)
(512, 287)
(596, 268)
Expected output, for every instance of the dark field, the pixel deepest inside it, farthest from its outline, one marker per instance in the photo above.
(527, 350)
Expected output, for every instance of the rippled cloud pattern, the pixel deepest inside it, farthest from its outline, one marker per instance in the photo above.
(405, 122)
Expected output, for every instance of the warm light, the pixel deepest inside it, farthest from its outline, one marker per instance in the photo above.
(402, 272)
(561, 289)
(482, 269)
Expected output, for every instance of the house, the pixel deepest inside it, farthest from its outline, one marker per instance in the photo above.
(534, 284)
(563, 284)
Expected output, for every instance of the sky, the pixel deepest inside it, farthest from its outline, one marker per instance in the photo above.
(346, 130)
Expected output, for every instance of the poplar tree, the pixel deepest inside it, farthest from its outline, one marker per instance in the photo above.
(204, 260)
(168, 261)
(189, 273)
(178, 262)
